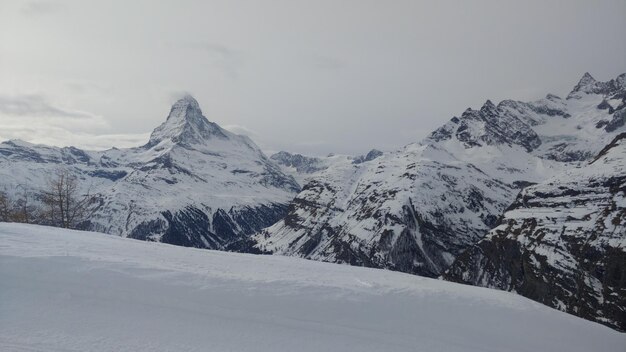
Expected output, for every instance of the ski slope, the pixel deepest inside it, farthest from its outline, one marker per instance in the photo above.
(64, 290)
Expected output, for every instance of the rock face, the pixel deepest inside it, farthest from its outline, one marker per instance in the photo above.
(399, 211)
(300, 163)
(416, 209)
(371, 155)
(613, 89)
(562, 242)
(193, 184)
(307, 168)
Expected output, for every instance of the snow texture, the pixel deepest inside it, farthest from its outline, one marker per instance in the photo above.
(64, 290)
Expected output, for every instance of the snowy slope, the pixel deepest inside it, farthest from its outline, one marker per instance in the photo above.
(79, 291)
(562, 242)
(193, 184)
(306, 168)
(368, 214)
(416, 209)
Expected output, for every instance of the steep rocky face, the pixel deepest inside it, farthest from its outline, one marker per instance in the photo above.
(490, 125)
(562, 242)
(613, 89)
(185, 125)
(371, 155)
(302, 164)
(193, 184)
(307, 168)
(416, 209)
(411, 211)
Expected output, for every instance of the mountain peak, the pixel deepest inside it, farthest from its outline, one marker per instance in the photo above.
(489, 107)
(621, 81)
(586, 84)
(586, 79)
(186, 108)
(188, 98)
(589, 85)
(185, 125)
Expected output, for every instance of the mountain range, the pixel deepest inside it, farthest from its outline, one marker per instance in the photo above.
(519, 196)
(562, 242)
(420, 208)
(193, 184)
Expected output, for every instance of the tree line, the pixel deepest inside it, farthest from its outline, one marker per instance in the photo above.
(61, 203)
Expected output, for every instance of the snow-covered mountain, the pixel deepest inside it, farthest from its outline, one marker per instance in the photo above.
(66, 290)
(562, 242)
(193, 184)
(366, 214)
(305, 168)
(414, 210)
(417, 209)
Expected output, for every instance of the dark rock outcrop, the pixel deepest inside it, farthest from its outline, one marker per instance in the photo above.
(562, 243)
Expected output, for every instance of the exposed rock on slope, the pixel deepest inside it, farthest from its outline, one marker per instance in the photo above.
(306, 168)
(400, 211)
(301, 164)
(562, 242)
(416, 209)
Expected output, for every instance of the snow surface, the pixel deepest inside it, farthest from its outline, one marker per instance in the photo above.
(64, 290)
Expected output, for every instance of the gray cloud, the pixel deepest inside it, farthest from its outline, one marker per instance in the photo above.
(237, 129)
(34, 118)
(327, 63)
(31, 8)
(227, 59)
(58, 136)
(220, 51)
(177, 94)
(33, 105)
(346, 75)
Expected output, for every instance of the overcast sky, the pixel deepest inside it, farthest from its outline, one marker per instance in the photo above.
(306, 76)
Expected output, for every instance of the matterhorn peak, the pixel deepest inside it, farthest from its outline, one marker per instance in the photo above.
(185, 125)
(188, 98)
(185, 108)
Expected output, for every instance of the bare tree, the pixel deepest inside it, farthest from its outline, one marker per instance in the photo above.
(17, 208)
(5, 207)
(65, 205)
(22, 209)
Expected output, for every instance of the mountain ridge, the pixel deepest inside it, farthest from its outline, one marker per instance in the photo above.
(414, 210)
(420, 209)
(562, 242)
(192, 184)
